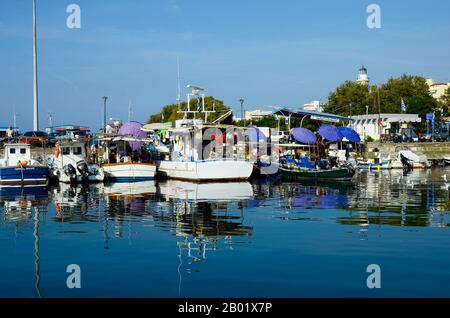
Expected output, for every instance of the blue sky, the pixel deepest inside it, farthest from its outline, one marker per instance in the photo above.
(268, 52)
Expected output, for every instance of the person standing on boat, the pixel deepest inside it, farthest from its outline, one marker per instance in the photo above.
(94, 152)
(9, 133)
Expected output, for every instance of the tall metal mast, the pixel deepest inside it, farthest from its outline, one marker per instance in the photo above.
(35, 70)
(179, 85)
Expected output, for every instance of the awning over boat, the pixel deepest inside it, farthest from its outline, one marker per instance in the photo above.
(318, 116)
(408, 154)
(133, 129)
(330, 133)
(349, 134)
(304, 136)
(156, 126)
(255, 134)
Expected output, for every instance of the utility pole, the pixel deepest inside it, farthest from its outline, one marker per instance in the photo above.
(35, 70)
(379, 111)
(242, 111)
(105, 98)
(50, 119)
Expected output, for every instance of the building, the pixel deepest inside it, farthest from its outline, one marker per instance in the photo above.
(437, 90)
(363, 77)
(314, 106)
(376, 126)
(257, 114)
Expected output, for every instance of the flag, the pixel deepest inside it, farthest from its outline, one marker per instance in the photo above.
(286, 120)
(403, 106)
(199, 105)
(162, 116)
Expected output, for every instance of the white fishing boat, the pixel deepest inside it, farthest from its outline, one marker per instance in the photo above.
(190, 159)
(129, 171)
(125, 157)
(198, 152)
(18, 168)
(412, 159)
(69, 164)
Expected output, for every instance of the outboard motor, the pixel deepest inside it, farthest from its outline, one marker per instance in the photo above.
(405, 162)
(83, 168)
(70, 171)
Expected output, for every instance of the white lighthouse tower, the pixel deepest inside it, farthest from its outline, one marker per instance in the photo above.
(363, 78)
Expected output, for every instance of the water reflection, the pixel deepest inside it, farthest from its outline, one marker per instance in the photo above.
(205, 220)
(18, 205)
(415, 199)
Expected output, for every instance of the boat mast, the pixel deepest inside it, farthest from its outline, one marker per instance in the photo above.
(178, 82)
(130, 111)
(35, 70)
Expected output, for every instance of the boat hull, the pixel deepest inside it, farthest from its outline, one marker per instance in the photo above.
(32, 175)
(335, 174)
(206, 171)
(129, 172)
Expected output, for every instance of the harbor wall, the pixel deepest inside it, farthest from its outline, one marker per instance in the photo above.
(432, 150)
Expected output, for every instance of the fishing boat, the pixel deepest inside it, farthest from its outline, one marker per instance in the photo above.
(412, 160)
(336, 174)
(70, 163)
(190, 159)
(18, 168)
(125, 157)
(194, 151)
(382, 164)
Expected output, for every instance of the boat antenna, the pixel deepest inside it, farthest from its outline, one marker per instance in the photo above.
(130, 111)
(178, 82)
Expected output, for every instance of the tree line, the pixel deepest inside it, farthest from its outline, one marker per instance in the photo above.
(348, 99)
(351, 98)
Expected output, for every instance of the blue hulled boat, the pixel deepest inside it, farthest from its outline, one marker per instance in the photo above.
(17, 167)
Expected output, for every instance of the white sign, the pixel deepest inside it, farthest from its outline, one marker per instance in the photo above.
(320, 118)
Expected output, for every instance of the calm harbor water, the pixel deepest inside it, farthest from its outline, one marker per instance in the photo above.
(262, 238)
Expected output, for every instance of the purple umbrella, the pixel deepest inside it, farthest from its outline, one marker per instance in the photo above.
(330, 133)
(350, 134)
(133, 129)
(304, 136)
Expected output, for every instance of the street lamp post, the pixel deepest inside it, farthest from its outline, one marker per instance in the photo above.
(105, 98)
(242, 110)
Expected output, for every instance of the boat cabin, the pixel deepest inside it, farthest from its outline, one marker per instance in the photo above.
(15, 154)
(124, 149)
(207, 143)
(70, 151)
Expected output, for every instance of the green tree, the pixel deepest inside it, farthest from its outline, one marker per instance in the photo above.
(352, 98)
(171, 113)
(348, 99)
(415, 92)
(444, 103)
(268, 121)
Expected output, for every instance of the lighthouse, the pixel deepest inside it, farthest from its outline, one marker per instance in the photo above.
(363, 78)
